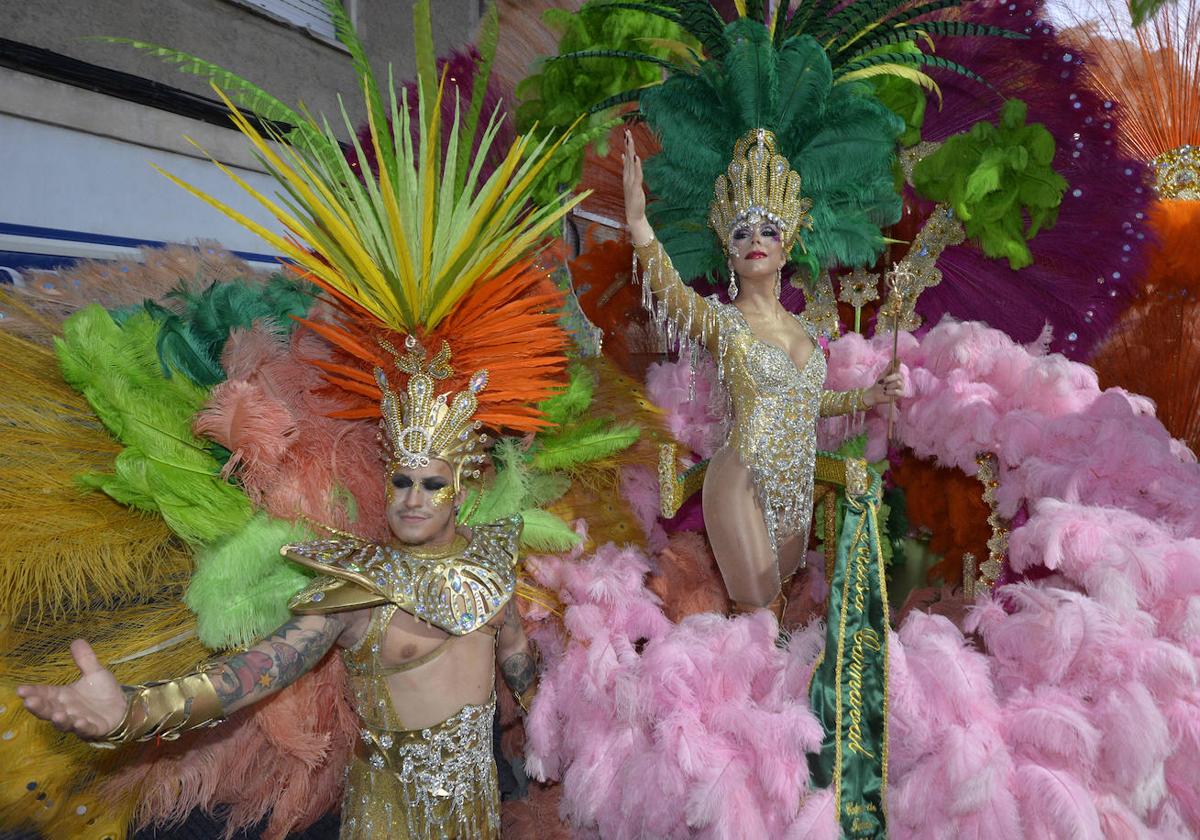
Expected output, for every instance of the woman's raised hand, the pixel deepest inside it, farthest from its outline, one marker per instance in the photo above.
(90, 707)
(635, 194)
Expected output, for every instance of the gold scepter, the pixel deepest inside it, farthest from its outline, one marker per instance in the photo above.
(898, 280)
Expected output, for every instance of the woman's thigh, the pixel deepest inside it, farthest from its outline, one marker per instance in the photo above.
(737, 531)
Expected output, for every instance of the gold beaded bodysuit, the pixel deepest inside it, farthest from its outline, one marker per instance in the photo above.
(439, 782)
(772, 404)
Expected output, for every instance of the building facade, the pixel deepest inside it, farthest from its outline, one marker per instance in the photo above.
(84, 122)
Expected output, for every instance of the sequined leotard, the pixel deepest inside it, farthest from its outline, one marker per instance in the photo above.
(773, 404)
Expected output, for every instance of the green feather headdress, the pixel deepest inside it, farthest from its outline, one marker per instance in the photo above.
(840, 138)
(804, 74)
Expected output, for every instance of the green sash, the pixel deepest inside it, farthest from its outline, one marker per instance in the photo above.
(849, 687)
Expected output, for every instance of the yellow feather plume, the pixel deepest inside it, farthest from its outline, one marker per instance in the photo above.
(901, 70)
(406, 246)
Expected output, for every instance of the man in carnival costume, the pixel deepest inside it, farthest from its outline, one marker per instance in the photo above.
(420, 621)
(431, 250)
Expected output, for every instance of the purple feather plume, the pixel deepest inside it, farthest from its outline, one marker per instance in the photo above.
(1085, 265)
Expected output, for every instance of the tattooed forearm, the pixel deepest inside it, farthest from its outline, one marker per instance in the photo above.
(276, 662)
(520, 672)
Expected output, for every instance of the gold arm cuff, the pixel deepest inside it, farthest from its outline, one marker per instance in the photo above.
(525, 698)
(167, 710)
(843, 402)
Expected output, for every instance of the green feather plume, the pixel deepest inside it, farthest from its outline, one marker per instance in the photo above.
(999, 181)
(241, 586)
(191, 340)
(599, 51)
(840, 139)
(164, 467)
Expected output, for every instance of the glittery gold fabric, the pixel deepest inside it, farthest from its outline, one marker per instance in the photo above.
(918, 270)
(458, 592)
(772, 405)
(1177, 173)
(437, 783)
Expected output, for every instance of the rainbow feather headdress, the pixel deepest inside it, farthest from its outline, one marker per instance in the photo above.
(427, 252)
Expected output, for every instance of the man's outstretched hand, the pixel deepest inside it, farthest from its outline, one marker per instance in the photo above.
(90, 707)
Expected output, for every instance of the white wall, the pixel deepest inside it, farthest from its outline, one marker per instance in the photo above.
(57, 177)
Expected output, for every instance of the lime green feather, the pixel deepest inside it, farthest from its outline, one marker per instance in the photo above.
(506, 493)
(573, 400)
(545, 532)
(241, 586)
(164, 467)
(999, 181)
(583, 442)
(554, 97)
(902, 92)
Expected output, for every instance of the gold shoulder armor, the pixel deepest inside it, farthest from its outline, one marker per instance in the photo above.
(458, 588)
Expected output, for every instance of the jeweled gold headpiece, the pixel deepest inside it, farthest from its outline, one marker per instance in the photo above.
(1177, 173)
(758, 186)
(420, 425)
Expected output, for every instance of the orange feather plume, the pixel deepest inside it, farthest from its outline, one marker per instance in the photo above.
(949, 505)
(602, 174)
(507, 325)
(1154, 349)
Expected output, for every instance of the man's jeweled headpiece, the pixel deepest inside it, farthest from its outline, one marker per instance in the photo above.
(759, 185)
(420, 424)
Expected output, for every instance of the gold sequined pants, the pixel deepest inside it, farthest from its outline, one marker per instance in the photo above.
(425, 784)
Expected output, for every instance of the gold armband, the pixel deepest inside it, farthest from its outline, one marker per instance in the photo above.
(843, 402)
(525, 698)
(166, 710)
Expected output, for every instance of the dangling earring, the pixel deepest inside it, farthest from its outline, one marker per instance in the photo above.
(733, 289)
(778, 282)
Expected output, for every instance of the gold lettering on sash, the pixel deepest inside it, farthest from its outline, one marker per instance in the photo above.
(864, 640)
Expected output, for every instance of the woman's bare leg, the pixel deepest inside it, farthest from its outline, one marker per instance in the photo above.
(791, 555)
(737, 531)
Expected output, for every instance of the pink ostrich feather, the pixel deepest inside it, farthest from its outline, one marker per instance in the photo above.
(302, 463)
(691, 400)
(1071, 707)
(285, 758)
(282, 760)
(668, 730)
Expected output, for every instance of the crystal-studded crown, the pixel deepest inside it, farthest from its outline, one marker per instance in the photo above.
(759, 185)
(420, 425)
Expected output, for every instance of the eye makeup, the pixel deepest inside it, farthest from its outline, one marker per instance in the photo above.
(429, 485)
(765, 230)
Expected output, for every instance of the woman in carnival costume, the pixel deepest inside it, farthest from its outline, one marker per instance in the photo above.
(758, 488)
